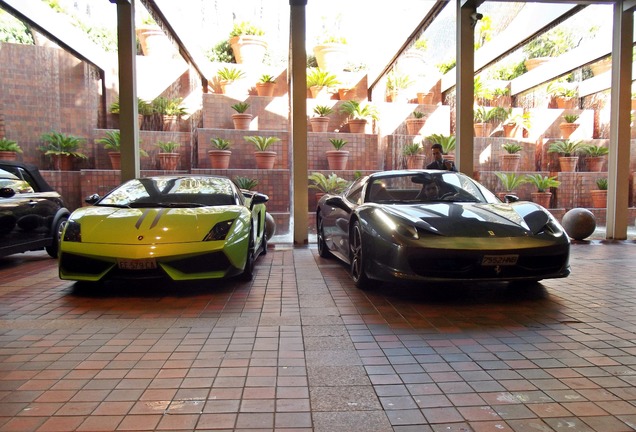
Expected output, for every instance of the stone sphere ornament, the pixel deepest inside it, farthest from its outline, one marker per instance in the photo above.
(579, 223)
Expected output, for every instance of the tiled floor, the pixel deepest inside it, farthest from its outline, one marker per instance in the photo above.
(301, 349)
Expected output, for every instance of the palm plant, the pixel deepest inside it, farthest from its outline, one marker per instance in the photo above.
(267, 78)
(168, 146)
(112, 141)
(220, 143)
(412, 149)
(262, 143)
(322, 78)
(448, 142)
(57, 143)
(357, 111)
(322, 110)
(419, 114)
(510, 180)
(329, 185)
(601, 183)
(240, 107)
(541, 182)
(398, 81)
(566, 147)
(9, 145)
(245, 182)
(570, 118)
(595, 151)
(337, 143)
(230, 74)
(512, 148)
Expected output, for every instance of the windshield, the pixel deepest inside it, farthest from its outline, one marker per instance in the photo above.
(173, 192)
(427, 187)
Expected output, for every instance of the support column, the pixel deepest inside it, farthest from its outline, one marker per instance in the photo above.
(620, 133)
(129, 128)
(298, 120)
(465, 88)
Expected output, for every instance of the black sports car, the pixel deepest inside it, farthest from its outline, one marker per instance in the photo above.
(32, 214)
(429, 225)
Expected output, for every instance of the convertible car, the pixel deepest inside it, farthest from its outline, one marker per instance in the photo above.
(183, 227)
(433, 226)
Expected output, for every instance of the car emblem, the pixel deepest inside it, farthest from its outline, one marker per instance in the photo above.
(492, 233)
(140, 238)
(497, 269)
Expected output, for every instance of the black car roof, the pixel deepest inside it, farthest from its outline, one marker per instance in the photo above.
(13, 167)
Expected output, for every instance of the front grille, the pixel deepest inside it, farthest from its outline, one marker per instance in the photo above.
(78, 264)
(211, 262)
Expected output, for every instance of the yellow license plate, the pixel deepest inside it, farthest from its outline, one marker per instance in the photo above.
(499, 260)
(140, 264)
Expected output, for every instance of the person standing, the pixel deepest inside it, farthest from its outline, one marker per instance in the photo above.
(440, 163)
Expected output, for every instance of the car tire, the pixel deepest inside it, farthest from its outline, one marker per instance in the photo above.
(358, 262)
(248, 271)
(323, 250)
(56, 234)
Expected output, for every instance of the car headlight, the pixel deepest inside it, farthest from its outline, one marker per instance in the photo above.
(73, 232)
(219, 231)
(552, 227)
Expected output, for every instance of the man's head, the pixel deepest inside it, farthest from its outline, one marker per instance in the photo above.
(430, 189)
(437, 151)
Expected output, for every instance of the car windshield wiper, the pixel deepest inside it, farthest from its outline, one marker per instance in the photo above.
(113, 205)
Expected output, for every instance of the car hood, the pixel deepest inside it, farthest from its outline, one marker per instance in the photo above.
(475, 220)
(151, 225)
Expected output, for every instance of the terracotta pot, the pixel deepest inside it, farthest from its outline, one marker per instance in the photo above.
(242, 121)
(633, 104)
(425, 98)
(482, 129)
(567, 129)
(595, 163)
(170, 123)
(357, 125)
(115, 160)
(415, 125)
(331, 56)
(599, 198)
(153, 41)
(265, 89)
(219, 159)
(63, 162)
(320, 92)
(510, 162)
(265, 159)
(509, 130)
(337, 159)
(568, 163)
(249, 49)
(8, 155)
(319, 124)
(168, 161)
(566, 102)
(542, 198)
(346, 94)
(534, 63)
(415, 161)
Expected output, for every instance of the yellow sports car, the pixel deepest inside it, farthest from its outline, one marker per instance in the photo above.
(184, 227)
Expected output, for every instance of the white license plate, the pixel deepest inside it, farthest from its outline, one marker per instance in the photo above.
(499, 260)
(140, 264)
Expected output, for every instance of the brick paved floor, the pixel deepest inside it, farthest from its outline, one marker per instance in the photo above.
(301, 349)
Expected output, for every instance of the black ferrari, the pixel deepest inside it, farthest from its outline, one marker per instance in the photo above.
(433, 226)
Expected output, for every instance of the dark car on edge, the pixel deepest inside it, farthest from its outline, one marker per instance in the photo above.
(32, 214)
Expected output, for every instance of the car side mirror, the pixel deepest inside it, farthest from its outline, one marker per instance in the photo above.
(258, 198)
(92, 199)
(338, 203)
(511, 198)
(6, 192)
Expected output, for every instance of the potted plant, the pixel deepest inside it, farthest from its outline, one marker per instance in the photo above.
(415, 124)
(564, 95)
(331, 52)
(220, 153)
(63, 149)
(337, 158)
(482, 92)
(320, 121)
(510, 182)
(550, 44)
(414, 156)
(112, 143)
(240, 118)
(595, 157)
(265, 158)
(248, 43)
(358, 114)
(331, 184)
(448, 143)
(543, 184)
(245, 183)
(517, 125)
(321, 82)
(168, 155)
(265, 85)
(501, 96)
(396, 84)
(9, 149)
(482, 117)
(510, 159)
(599, 196)
(145, 111)
(172, 113)
(228, 76)
(568, 126)
(567, 150)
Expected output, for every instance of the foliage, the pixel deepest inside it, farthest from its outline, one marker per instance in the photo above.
(508, 71)
(421, 44)
(523, 120)
(447, 142)
(9, 145)
(221, 53)
(112, 141)
(398, 81)
(412, 149)
(261, 143)
(322, 110)
(168, 106)
(561, 89)
(601, 183)
(419, 114)
(330, 185)
(566, 147)
(240, 107)
(230, 74)
(246, 28)
(510, 180)
(542, 183)
(267, 78)
(550, 44)
(144, 107)
(57, 143)
(337, 143)
(320, 77)
(359, 111)
(595, 151)
(168, 146)
(444, 67)
(220, 143)
(570, 118)
(245, 182)
(12, 30)
(489, 114)
(483, 31)
(512, 148)
(481, 90)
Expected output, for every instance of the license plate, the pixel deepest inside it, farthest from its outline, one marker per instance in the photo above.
(499, 260)
(141, 264)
